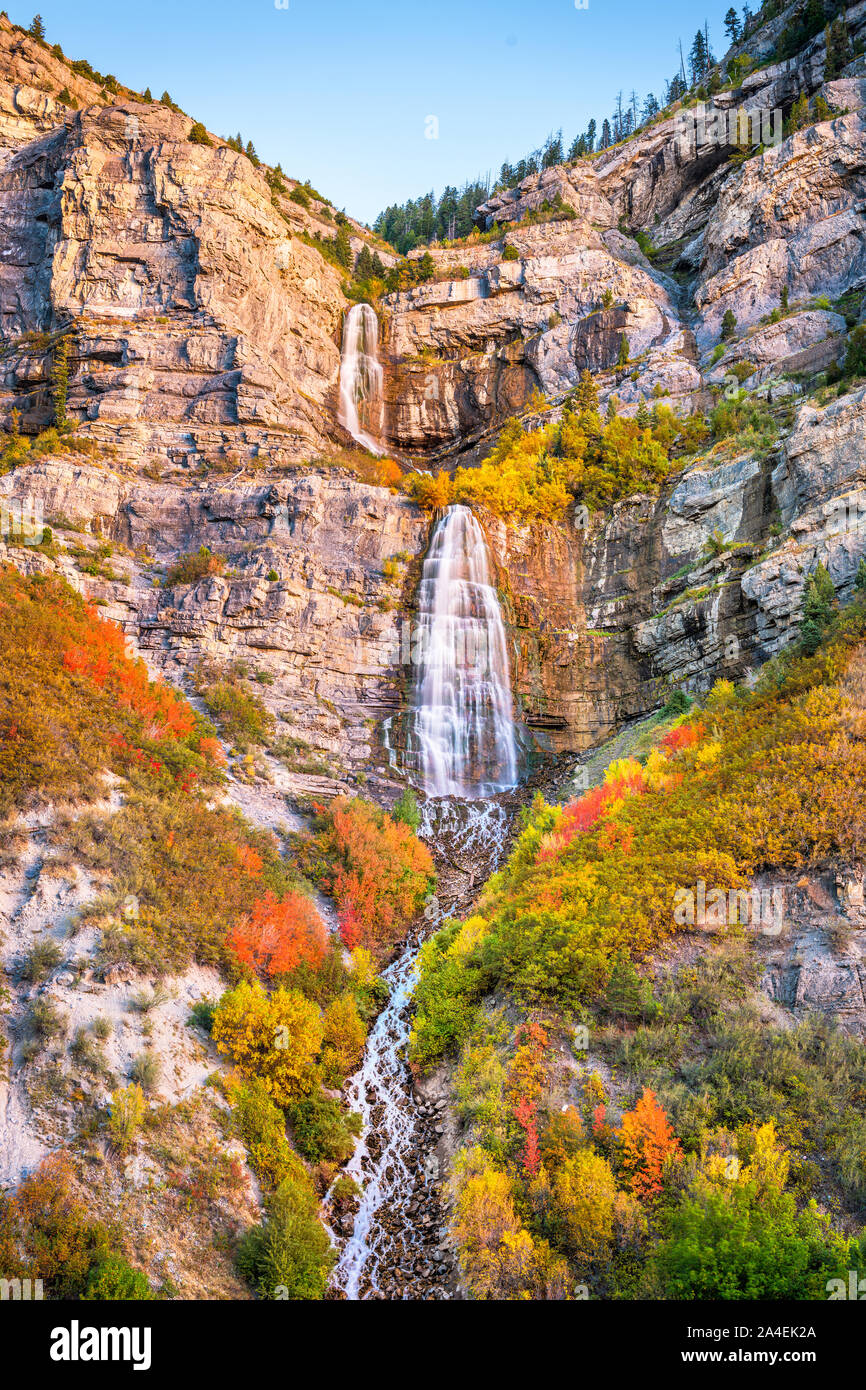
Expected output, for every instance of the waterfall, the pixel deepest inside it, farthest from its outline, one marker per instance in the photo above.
(462, 724)
(460, 734)
(361, 376)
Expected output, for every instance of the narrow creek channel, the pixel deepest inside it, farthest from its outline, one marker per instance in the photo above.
(396, 1249)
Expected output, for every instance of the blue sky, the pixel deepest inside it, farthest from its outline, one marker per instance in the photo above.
(340, 92)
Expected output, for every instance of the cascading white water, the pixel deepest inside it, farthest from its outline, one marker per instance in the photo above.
(461, 734)
(361, 376)
(390, 1251)
(462, 728)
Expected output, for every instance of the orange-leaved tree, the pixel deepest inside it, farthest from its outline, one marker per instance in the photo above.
(647, 1142)
(378, 871)
(280, 934)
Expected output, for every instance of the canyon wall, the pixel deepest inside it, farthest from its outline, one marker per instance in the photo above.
(204, 328)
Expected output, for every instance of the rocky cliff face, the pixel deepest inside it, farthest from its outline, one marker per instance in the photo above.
(469, 348)
(202, 329)
(204, 340)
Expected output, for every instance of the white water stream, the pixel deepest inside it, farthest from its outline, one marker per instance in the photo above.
(361, 377)
(464, 728)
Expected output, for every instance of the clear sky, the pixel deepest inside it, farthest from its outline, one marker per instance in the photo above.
(340, 92)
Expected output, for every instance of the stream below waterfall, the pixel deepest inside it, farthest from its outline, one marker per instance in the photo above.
(396, 1248)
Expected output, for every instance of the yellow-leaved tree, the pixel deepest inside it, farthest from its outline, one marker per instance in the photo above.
(274, 1037)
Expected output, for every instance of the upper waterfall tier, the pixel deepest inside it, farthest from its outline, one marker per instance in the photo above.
(361, 376)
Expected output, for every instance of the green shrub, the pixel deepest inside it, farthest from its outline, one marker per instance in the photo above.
(289, 1255)
(855, 356)
(739, 1246)
(86, 1050)
(510, 253)
(198, 135)
(146, 1070)
(678, 703)
(144, 1000)
(201, 1014)
(819, 605)
(47, 1019)
(115, 1279)
(189, 569)
(41, 959)
(321, 1129)
(239, 714)
(262, 1127)
(405, 809)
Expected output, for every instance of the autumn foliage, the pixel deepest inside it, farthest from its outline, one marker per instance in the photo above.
(280, 934)
(375, 867)
(683, 736)
(273, 1038)
(766, 778)
(74, 703)
(46, 1232)
(103, 660)
(647, 1142)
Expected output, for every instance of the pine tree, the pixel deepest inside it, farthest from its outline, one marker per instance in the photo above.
(838, 48)
(698, 57)
(364, 264)
(590, 136)
(586, 395)
(799, 117)
(622, 360)
(60, 380)
(819, 602)
(552, 151)
(342, 248)
(605, 134)
(146, 95)
(732, 25)
(729, 323)
(628, 996)
(643, 415)
(166, 100)
(251, 155)
(37, 28)
(860, 579)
